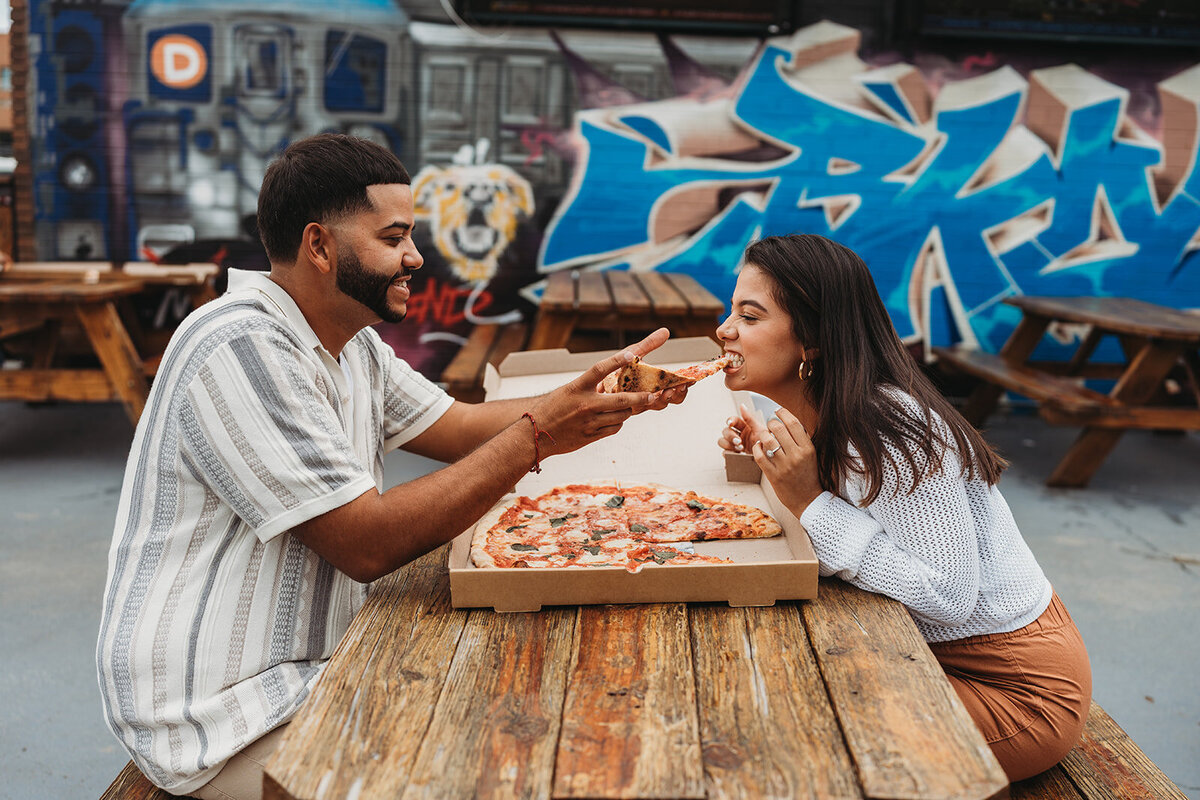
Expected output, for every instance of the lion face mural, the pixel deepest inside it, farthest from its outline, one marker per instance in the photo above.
(473, 211)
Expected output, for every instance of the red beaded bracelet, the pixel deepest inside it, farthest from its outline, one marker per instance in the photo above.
(537, 434)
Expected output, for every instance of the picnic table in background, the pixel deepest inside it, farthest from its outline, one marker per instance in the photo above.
(1157, 385)
(588, 311)
(623, 300)
(41, 303)
(835, 697)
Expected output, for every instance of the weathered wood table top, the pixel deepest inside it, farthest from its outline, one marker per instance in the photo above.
(838, 697)
(617, 299)
(1121, 315)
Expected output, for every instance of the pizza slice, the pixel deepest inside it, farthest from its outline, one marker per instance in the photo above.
(638, 376)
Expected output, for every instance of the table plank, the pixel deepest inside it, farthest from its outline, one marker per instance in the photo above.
(628, 296)
(629, 725)
(192, 274)
(69, 385)
(663, 296)
(700, 300)
(559, 294)
(1053, 784)
(1107, 765)
(902, 721)
(1116, 314)
(65, 291)
(496, 724)
(766, 725)
(390, 666)
(593, 293)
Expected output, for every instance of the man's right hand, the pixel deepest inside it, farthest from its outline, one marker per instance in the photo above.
(576, 414)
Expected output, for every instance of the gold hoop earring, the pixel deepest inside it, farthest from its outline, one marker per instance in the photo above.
(803, 364)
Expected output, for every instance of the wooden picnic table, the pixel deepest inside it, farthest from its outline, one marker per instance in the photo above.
(41, 300)
(1157, 343)
(623, 300)
(835, 697)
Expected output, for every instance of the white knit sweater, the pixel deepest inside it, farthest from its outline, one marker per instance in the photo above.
(950, 551)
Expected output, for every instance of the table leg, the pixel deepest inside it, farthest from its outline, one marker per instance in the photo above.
(46, 346)
(1020, 345)
(117, 355)
(1146, 372)
(552, 330)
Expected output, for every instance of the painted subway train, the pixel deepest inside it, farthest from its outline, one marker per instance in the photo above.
(155, 120)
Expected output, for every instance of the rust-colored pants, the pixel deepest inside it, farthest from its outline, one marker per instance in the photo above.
(1028, 690)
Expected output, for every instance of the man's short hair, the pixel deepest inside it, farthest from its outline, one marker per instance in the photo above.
(319, 179)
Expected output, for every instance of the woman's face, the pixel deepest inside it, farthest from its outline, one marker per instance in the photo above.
(758, 333)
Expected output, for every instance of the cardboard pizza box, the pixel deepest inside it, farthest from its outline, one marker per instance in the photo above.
(676, 447)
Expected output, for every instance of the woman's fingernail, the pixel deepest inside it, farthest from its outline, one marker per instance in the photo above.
(737, 440)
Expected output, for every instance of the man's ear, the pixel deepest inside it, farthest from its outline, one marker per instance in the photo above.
(317, 246)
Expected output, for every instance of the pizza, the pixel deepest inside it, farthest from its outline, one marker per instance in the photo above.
(590, 525)
(638, 376)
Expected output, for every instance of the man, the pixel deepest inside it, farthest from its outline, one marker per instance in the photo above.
(251, 517)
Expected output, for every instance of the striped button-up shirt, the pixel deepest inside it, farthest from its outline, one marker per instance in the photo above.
(215, 620)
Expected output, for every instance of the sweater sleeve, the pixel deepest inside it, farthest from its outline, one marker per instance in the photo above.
(916, 546)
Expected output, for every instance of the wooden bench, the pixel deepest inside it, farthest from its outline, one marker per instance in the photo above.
(487, 344)
(1105, 765)
(1069, 395)
(131, 784)
(1156, 382)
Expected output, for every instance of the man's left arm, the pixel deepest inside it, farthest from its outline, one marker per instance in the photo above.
(465, 426)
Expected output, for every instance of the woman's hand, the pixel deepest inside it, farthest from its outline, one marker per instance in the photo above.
(785, 454)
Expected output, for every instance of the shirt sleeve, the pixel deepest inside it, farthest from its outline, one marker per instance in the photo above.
(917, 546)
(260, 426)
(411, 402)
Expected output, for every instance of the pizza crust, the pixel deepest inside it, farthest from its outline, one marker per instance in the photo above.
(479, 555)
(638, 376)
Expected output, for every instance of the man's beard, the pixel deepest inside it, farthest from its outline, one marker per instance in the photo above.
(368, 288)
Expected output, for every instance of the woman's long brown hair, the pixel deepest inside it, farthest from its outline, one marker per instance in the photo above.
(834, 305)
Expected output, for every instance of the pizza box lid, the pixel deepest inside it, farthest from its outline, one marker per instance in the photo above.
(676, 447)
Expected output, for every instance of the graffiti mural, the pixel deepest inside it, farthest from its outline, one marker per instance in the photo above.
(961, 183)
(998, 185)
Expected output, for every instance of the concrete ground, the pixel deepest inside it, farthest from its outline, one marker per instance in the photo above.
(1124, 555)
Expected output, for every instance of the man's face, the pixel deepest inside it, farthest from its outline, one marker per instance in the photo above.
(376, 254)
(370, 288)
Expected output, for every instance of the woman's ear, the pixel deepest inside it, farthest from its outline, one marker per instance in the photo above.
(812, 353)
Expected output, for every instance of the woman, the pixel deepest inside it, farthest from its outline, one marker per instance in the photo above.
(898, 492)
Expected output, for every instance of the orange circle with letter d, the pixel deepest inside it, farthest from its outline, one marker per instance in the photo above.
(178, 61)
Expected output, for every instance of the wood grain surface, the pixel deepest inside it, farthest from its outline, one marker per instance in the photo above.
(629, 724)
(1108, 765)
(391, 664)
(766, 726)
(494, 732)
(902, 721)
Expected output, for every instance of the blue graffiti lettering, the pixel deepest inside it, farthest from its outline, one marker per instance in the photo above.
(934, 213)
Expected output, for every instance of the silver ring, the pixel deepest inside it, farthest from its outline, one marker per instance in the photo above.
(771, 453)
